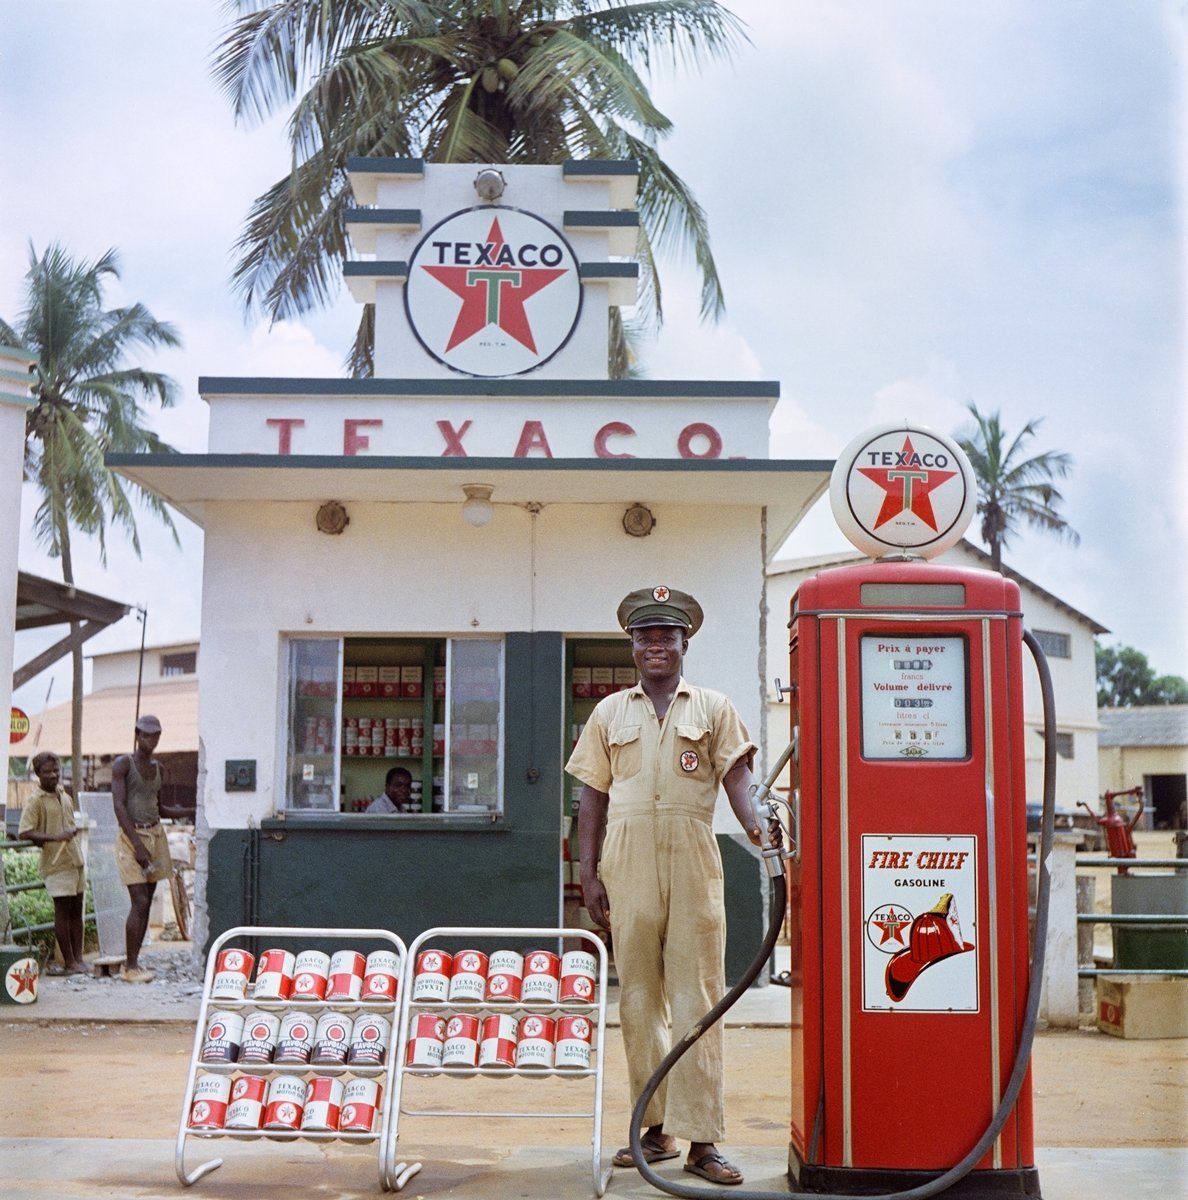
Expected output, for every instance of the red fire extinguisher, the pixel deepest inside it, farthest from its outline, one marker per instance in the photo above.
(1116, 826)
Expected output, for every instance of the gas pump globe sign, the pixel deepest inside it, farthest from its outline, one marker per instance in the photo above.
(902, 491)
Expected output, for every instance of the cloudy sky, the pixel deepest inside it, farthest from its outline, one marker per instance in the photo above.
(914, 204)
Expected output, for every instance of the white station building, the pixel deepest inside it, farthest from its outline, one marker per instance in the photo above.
(421, 569)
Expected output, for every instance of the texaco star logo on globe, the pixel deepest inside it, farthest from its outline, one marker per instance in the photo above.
(493, 291)
(903, 488)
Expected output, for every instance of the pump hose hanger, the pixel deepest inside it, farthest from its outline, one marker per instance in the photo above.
(954, 1174)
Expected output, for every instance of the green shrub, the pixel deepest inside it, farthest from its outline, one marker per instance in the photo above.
(35, 907)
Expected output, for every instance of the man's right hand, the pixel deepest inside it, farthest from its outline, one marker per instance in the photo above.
(597, 904)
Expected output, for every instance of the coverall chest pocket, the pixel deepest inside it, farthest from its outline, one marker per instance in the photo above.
(693, 757)
(626, 752)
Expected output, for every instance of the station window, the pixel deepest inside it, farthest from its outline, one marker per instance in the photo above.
(358, 707)
(1054, 645)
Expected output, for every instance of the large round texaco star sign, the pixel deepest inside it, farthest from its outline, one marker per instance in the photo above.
(903, 489)
(493, 291)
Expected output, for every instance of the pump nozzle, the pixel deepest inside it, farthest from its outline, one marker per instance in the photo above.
(764, 806)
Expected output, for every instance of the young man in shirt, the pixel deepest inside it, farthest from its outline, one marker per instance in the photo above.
(47, 821)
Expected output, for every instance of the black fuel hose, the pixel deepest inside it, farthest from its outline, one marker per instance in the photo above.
(1027, 1033)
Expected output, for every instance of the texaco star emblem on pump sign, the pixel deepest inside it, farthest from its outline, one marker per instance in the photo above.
(903, 489)
(493, 291)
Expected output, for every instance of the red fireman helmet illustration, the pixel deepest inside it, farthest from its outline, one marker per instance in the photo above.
(935, 935)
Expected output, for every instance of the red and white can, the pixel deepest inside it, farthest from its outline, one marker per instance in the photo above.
(505, 975)
(542, 971)
(361, 1100)
(578, 973)
(233, 968)
(261, 1031)
(369, 1040)
(224, 1036)
(346, 975)
(323, 1104)
(572, 1048)
(426, 1042)
(285, 1103)
(498, 1045)
(432, 978)
(296, 1040)
(311, 973)
(209, 1107)
(534, 1046)
(381, 975)
(274, 975)
(461, 1041)
(332, 1039)
(246, 1110)
(468, 980)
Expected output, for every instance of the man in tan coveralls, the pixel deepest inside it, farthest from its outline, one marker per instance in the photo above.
(651, 760)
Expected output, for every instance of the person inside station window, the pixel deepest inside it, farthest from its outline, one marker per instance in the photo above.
(397, 794)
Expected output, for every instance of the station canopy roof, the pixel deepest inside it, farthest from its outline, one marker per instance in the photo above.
(786, 488)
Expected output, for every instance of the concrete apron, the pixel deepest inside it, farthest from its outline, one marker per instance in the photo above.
(131, 1169)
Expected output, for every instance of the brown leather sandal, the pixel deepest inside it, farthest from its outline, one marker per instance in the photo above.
(715, 1167)
(653, 1152)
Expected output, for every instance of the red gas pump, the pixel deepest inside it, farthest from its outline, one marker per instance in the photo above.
(910, 897)
(910, 894)
(912, 1002)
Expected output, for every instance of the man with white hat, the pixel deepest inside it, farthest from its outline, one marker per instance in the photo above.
(142, 846)
(651, 760)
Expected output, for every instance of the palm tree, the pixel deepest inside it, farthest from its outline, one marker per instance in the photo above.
(528, 81)
(1013, 489)
(87, 404)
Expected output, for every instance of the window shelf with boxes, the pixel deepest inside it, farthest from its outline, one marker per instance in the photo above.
(393, 714)
(359, 707)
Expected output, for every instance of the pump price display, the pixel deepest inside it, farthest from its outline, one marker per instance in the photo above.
(913, 697)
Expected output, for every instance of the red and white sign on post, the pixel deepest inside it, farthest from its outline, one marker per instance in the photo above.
(18, 726)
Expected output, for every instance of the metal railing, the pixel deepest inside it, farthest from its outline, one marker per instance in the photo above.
(1136, 920)
(24, 933)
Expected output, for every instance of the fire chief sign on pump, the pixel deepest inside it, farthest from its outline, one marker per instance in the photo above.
(493, 291)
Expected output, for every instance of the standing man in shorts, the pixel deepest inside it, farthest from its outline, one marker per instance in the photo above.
(47, 820)
(142, 847)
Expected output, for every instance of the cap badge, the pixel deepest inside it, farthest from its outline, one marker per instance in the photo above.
(660, 594)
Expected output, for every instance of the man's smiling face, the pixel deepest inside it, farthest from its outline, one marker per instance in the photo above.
(658, 650)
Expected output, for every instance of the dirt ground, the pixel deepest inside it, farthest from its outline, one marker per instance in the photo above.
(103, 1081)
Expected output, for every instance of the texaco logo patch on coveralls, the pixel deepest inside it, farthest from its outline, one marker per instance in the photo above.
(690, 761)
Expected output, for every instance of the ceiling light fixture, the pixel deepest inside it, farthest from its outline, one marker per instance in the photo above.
(477, 508)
